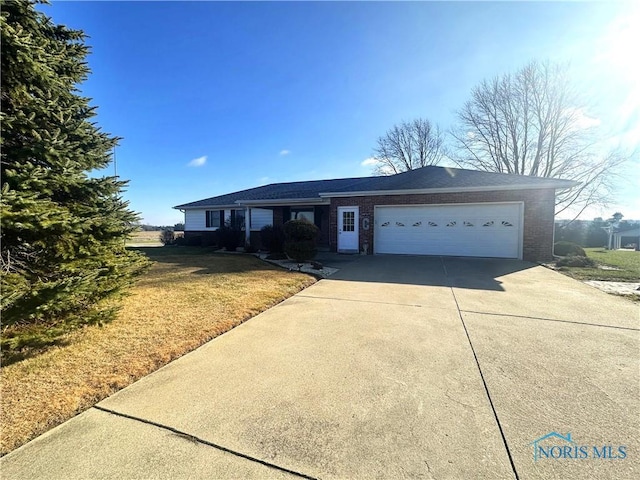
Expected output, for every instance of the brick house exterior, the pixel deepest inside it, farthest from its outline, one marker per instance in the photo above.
(426, 187)
(538, 214)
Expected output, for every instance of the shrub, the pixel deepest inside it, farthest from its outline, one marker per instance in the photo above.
(210, 239)
(276, 256)
(568, 248)
(248, 248)
(300, 240)
(272, 237)
(193, 240)
(301, 251)
(167, 237)
(230, 237)
(575, 261)
(299, 230)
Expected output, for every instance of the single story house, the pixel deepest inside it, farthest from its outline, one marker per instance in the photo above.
(427, 211)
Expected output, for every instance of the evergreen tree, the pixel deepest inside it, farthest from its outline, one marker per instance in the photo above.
(63, 232)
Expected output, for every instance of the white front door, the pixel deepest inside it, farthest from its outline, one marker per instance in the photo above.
(348, 230)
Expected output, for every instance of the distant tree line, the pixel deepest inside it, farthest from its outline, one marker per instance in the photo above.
(592, 233)
(178, 227)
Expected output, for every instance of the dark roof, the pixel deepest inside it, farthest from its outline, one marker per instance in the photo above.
(420, 179)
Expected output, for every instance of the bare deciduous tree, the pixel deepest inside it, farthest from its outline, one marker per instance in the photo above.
(534, 123)
(408, 146)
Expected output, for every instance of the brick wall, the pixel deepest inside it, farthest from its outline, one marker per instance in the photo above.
(324, 234)
(205, 238)
(539, 208)
(277, 216)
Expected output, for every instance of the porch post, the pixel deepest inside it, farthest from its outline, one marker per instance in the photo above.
(247, 225)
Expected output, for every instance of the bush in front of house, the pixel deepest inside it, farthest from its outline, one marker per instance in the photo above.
(248, 248)
(272, 238)
(192, 241)
(564, 249)
(230, 237)
(167, 237)
(575, 261)
(300, 240)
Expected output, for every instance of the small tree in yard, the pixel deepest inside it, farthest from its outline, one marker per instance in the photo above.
(300, 243)
(63, 232)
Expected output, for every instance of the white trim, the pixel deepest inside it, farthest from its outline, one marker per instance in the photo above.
(371, 193)
(285, 202)
(521, 233)
(232, 206)
(417, 205)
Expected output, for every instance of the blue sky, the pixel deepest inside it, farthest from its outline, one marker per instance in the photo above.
(214, 97)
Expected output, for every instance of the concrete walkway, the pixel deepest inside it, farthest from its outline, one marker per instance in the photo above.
(396, 367)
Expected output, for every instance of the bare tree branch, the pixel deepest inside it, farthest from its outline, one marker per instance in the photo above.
(534, 123)
(408, 146)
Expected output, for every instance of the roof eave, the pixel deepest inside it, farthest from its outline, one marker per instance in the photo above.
(283, 202)
(200, 207)
(554, 185)
(268, 202)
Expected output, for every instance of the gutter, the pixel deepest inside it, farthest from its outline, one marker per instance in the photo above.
(200, 207)
(283, 202)
(367, 193)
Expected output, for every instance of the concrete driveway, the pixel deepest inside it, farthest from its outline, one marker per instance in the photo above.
(396, 367)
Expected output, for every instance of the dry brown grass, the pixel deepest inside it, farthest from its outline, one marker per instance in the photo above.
(185, 299)
(142, 237)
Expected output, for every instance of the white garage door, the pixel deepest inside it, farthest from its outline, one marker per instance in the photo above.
(469, 230)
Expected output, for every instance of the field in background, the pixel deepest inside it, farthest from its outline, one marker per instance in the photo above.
(188, 296)
(148, 238)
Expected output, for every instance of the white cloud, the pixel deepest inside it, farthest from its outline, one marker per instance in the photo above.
(581, 120)
(197, 162)
(285, 152)
(368, 162)
(264, 180)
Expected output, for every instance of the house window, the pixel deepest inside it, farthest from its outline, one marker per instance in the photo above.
(214, 218)
(302, 213)
(238, 218)
(349, 221)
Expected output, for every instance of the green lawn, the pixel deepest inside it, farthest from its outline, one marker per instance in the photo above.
(627, 263)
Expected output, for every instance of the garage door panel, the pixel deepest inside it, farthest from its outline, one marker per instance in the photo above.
(485, 230)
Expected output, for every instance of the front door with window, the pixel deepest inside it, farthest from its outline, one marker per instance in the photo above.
(348, 230)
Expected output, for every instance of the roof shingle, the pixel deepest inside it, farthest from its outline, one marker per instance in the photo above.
(420, 179)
